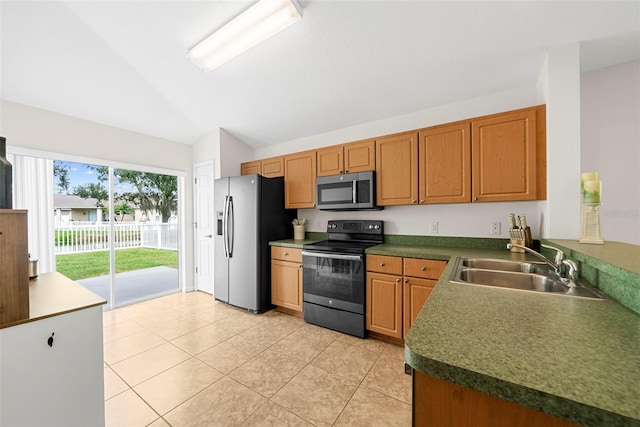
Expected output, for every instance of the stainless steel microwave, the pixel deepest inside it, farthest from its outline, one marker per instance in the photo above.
(348, 192)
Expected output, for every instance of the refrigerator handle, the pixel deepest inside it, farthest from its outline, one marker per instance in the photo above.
(231, 220)
(225, 226)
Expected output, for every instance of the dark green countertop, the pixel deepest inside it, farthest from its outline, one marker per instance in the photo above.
(290, 243)
(574, 358)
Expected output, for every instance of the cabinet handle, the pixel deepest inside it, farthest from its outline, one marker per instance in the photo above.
(382, 264)
(286, 254)
(475, 199)
(423, 268)
(406, 280)
(397, 280)
(421, 201)
(414, 201)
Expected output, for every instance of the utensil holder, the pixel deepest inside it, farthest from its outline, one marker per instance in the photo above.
(298, 232)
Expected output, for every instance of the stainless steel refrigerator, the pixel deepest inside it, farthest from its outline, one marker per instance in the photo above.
(249, 214)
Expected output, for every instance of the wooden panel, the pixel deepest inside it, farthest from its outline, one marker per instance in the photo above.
(360, 156)
(504, 157)
(397, 169)
(273, 167)
(384, 304)
(251, 168)
(286, 254)
(424, 268)
(416, 292)
(442, 403)
(300, 180)
(330, 161)
(445, 164)
(286, 284)
(541, 148)
(384, 264)
(14, 266)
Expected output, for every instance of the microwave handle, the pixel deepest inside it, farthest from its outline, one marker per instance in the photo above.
(353, 192)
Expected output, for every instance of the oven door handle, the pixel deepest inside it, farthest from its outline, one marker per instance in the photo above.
(332, 255)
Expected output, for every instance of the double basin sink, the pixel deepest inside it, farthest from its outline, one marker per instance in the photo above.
(518, 275)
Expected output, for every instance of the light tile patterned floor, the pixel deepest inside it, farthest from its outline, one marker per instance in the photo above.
(187, 360)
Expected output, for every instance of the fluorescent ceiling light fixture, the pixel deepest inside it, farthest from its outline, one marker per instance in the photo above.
(256, 24)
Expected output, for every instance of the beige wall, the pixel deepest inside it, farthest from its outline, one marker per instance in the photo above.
(611, 145)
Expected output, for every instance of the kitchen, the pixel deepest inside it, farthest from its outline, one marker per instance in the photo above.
(570, 127)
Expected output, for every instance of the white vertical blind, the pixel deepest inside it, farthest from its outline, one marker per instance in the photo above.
(33, 191)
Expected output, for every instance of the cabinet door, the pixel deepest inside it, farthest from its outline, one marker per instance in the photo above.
(397, 169)
(14, 266)
(445, 164)
(300, 180)
(57, 385)
(360, 156)
(286, 284)
(273, 167)
(416, 293)
(330, 161)
(504, 157)
(251, 168)
(384, 304)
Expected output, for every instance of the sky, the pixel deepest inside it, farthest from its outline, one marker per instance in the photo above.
(82, 174)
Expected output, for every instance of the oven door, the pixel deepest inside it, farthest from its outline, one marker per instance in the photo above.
(334, 280)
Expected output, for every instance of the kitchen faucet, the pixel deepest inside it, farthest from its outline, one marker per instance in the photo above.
(557, 264)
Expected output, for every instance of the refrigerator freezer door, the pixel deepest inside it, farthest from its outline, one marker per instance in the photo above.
(221, 264)
(243, 264)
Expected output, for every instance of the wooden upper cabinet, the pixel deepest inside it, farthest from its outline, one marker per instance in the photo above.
(360, 156)
(504, 156)
(251, 168)
(272, 167)
(348, 158)
(397, 169)
(330, 160)
(300, 180)
(445, 164)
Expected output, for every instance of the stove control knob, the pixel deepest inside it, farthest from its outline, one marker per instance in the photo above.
(377, 227)
(370, 226)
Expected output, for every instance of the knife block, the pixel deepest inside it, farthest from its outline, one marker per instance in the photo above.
(517, 242)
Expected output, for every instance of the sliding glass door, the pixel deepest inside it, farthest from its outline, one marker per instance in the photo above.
(117, 231)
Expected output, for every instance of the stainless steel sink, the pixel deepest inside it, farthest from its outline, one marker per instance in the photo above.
(517, 275)
(511, 280)
(507, 265)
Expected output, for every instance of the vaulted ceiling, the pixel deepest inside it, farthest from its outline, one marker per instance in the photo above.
(123, 64)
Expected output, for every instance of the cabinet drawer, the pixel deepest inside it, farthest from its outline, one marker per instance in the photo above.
(286, 254)
(424, 268)
(384, 264)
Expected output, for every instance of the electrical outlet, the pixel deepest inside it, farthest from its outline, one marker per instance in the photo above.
(434, 227)
(495, 228)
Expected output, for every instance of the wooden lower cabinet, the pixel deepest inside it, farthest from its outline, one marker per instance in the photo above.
(286, 278)
(384, 304)
(397, 288)
(416, 292)
(441, 403)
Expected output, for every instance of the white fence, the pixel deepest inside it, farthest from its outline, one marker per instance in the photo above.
(87, 238)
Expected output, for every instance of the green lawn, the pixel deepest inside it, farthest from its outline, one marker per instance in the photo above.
(92, 264)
